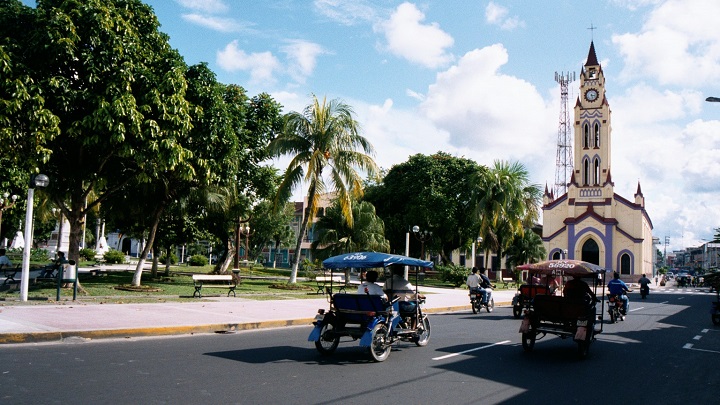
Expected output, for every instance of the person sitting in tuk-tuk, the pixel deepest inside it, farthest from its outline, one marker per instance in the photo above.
(368, 286)
(398, 285)
(578, 290)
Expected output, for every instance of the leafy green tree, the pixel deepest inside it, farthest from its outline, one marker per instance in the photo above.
(434, 192)
(270, 226)
(507, 204)
(335, 236)
(116, 88)
(324, 136)
(527, 248)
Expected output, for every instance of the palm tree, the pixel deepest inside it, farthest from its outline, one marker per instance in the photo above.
(506, 203)
(335, 236)
(324, 136)
(528, 248)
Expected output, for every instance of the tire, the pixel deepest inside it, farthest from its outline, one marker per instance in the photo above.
(328, 340)
(584, 345)
(517, 311)
(474, 305)
(379, 347)
(528, 340)
(424, 337)
(716, 319)
(613, 317)
(490, 305)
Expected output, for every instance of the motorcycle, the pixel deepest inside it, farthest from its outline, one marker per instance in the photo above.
(644, 291)
(476, 301)
(615, 308)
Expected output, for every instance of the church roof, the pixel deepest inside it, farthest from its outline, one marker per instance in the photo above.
(638, 192)
(592, 58)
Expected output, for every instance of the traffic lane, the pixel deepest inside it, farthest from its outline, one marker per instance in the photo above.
(465, 362)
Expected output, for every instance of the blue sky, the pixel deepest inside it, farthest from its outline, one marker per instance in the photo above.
(476, 79)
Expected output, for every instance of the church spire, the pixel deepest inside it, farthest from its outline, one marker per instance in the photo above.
(592, 58)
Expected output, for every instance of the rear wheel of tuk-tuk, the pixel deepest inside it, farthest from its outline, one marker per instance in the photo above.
(528, 339)
(328, 340)
(517, 311)
(379, 348)
(423, 336)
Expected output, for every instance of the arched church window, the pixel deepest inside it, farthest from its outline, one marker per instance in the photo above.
(590, 252)
(586, 136)
(625, 264)
(597, 135)
(556, 256)
(596, 171)
(586, 172)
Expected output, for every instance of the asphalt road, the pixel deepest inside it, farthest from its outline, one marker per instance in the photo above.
(665, 352)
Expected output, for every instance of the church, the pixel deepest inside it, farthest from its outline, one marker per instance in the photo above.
(590, 222)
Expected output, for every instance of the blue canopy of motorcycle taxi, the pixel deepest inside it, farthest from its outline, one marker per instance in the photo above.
(372, 260)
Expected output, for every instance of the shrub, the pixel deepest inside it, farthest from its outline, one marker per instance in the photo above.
(198, 260)
(113, 256)
(455, 275)
(164, 258)
(87, 254)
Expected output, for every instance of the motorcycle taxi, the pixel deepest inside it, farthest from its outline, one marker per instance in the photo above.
(373, 320)
(562, 316)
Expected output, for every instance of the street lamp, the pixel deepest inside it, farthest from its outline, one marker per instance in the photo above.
(477, 242)
(36, 180)
(245, 230)
(6, 202)
(422, 236)
(565, 254)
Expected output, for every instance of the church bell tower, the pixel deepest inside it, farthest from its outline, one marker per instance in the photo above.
(592, 129)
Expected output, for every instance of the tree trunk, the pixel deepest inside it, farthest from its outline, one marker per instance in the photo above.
(296, 262)
(222, 269)
(154, 270)
(137, 277)
(168, 252)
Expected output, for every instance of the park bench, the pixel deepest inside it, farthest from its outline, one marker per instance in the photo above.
(325, 281)
(9, 273)
(201, 281)
(507, 282)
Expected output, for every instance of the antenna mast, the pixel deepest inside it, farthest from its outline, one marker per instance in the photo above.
(563, 162)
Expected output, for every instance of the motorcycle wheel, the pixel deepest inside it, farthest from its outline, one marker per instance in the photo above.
(528, 340)
(613, 317)
(424, 336)
(474, 305)
(716, 319)
(517, 311)
(490, 305)
(328, 340)
(379, 348)
(584, 345)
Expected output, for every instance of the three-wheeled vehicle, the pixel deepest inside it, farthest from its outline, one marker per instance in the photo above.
(563, 314)
(373, 319)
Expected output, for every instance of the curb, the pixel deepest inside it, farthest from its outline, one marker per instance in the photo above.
(45, 337)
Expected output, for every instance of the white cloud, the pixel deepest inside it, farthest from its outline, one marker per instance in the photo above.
(678, 44)
(346, 12)
(407, 37)
(489, 112)
(497, 15)
(205, 6)
(303, 58)
(261, 65)
(214, 23)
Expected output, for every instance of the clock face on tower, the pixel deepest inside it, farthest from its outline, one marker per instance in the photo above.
(591, 95)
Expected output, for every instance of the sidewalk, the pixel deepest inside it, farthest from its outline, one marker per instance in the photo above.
(76, 319)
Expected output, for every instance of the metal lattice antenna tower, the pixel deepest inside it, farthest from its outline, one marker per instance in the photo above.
(563, 162)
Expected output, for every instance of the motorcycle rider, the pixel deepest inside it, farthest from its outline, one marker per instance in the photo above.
(485, 287)
(619, 288)
(368, 286)
(644, 284)
(473, 280)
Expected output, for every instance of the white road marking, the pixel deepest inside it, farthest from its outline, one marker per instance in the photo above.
(698, 337)
(636, 309)
(700, 350)
(471, 350)
(688, 346)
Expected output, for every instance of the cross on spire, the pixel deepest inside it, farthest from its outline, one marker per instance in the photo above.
(592, 31)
